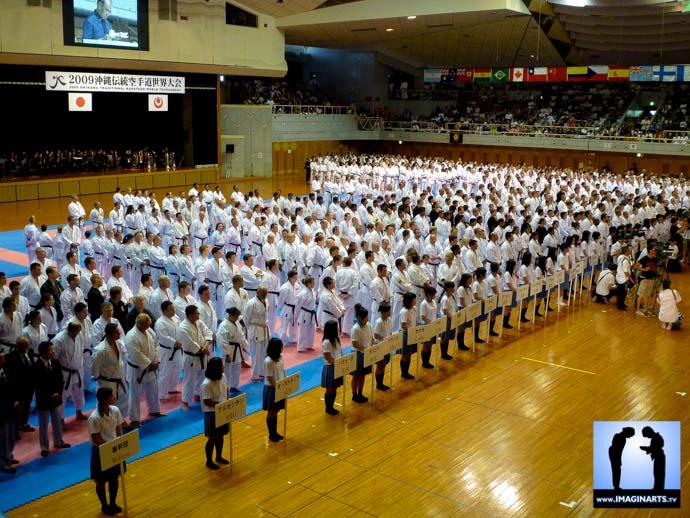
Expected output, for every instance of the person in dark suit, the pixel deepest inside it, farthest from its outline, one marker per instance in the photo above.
(119, 307)
(616, 454)
(94, 297)
(47, 376)
(307, 169)
(8, 404)
(19, 368)
(53, 286)
(137, 308)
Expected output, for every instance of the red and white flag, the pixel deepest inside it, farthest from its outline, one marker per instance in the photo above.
(79, 102)
(158, 103)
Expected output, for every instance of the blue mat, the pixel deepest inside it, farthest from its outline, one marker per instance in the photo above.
(65, 468)
(12, 269)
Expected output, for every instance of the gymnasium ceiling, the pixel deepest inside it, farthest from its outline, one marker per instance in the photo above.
(484, 33)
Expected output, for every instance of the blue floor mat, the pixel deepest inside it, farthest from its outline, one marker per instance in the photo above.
(65, 468)
(12, 269)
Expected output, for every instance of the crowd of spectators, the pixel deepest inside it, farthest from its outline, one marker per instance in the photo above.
(64, 161)
(564, 108)
(276, 92)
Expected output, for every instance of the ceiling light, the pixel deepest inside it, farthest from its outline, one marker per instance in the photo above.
(579, 3)
(411, 17)
(389, 30)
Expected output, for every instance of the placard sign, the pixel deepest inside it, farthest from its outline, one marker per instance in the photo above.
(371, 355)
(505, 298)
(345, 365)
(490, 304)
(536, 287)
(551, 283)
(286, 386)
(393, 343)
(119, 449)
(474, 310)
(560, 276)
(522, 292)
(437, 327)
(414, 335)
(231, 410)
(458, 318)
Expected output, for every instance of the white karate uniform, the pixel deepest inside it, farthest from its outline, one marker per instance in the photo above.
(142, 349)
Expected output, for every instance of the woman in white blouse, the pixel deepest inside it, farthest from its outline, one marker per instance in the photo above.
(49, 315)
(35, 330)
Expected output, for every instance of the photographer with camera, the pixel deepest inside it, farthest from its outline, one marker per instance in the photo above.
(624, 278)
(647, 266)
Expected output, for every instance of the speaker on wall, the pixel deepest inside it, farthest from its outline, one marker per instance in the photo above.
(229, 148)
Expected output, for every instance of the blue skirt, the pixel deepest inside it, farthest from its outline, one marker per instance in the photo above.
(210, 429)
(566, 283)
(328, 379)
(268, 401)
(361, 370)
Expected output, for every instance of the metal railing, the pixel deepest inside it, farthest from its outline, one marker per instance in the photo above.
(307, 109)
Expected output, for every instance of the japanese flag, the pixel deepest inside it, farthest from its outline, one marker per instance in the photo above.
(79, 102)
(158, 103)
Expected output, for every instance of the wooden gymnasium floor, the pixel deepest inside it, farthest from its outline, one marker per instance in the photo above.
(503, 431)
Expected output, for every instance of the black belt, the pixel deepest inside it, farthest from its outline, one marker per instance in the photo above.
(237, 347)
(46, 246)
(173, 349)
(175, 274)
(214, 282)
(69, 378)
(118, 381)
(293, 312)
(251, 289)
(196, 355)
(273, 293)
(202, 239)
(157, 267)
(236, 245)
(313, 313)
(317, 266)
(140, 378)
(99, 253)
(260, 245)
(90, 351)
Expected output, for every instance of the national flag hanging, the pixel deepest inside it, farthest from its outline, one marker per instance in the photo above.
(537, 74)
(642, 73)
(448, 75)
(578, 73)
(557, 74)
(79, 102)
(517, 75)
(683, 73)
(432, 75)
(665, 73)
(598, 73)
(482, 75)
(500, 75)
(464, 75)
(619, 73)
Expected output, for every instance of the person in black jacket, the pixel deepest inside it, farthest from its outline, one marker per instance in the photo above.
(19, 368)
(53, 286)
(48, 384)
(8, 404)
(119, 307)
(94, 298)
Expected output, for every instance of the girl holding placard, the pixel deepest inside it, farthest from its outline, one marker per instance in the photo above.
(382, 329)
(448, 308)
(274, 371)
(408, 319)
(214, 390)
(362, 336)
(464, 299)
(331, 351)
(428, 313)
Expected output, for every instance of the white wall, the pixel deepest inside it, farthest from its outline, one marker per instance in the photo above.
(33, 34)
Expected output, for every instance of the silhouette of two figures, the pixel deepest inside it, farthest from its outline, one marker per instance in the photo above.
(655, 450)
